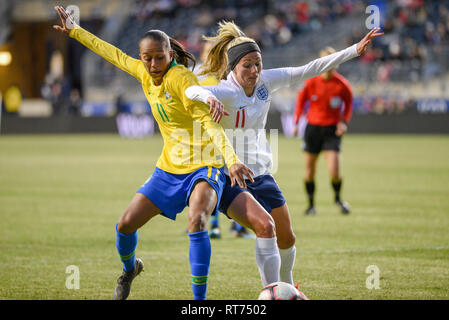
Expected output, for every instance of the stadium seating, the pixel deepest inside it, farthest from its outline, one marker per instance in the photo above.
(412, 57)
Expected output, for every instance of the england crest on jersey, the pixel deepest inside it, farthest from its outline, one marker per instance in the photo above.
(262, 93)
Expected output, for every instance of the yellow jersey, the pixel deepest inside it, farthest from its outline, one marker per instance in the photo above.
(192, 140)
(209, 81)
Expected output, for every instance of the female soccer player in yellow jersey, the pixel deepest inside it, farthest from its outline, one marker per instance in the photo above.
(183, 176)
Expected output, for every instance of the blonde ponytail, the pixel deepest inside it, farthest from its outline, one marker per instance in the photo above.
(229, 35)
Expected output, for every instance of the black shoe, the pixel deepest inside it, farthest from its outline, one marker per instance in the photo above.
(124, 281)
(310, 211)
(344, 206)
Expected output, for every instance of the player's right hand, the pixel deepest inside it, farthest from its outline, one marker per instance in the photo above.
(67, 21)
(238, 172)
(216, 109)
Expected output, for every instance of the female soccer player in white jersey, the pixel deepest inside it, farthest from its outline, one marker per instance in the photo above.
(180, 178)
(245, 92)
(211, 80)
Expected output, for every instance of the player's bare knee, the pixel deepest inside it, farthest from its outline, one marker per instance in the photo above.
(265, 227)
(204, 201)
(292, 239)
(309, 175)
(286, 240)
(125, 224)
(197, 221)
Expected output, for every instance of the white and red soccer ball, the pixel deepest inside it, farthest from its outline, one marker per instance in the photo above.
(281, 291)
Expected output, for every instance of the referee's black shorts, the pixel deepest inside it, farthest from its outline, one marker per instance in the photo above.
(318, 138)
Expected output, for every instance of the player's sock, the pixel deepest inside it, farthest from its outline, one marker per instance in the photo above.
(239, 227)
(288, 257)
(310, 189)
(336, 185)
(214, 221)
(268, 260)
(199, 257)
(126, 246)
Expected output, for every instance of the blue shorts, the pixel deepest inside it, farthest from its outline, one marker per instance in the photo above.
(264, 189)
(171, 192)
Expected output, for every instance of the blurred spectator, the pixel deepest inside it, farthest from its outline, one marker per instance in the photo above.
(385, 105)
(416, 31)
(75, 103)
(416, 43)
(53, 92)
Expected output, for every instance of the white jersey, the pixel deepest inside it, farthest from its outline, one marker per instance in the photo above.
(245, 126)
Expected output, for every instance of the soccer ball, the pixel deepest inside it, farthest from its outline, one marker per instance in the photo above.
(281, 291)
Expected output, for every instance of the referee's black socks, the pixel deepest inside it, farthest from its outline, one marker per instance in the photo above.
(310, 189)
(336, 185)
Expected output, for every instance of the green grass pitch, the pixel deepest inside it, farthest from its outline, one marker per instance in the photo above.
(61, 196)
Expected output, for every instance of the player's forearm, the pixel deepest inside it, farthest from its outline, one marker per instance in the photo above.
(218, 136)
(321, 65)
(347, 113)
(198, 93)
(105, 50)
(222, 142)
(299, 109)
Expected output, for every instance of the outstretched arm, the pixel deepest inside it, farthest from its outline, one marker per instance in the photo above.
(102, 48)
(321, 65)
(283, 77)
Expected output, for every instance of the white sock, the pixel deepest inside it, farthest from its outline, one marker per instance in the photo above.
(288, 257)
(268, 260)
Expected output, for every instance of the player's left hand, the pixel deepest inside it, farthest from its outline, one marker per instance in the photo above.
(216, 109)
(362, 46)
(237, 174)
(67, 21)
(341, 129)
